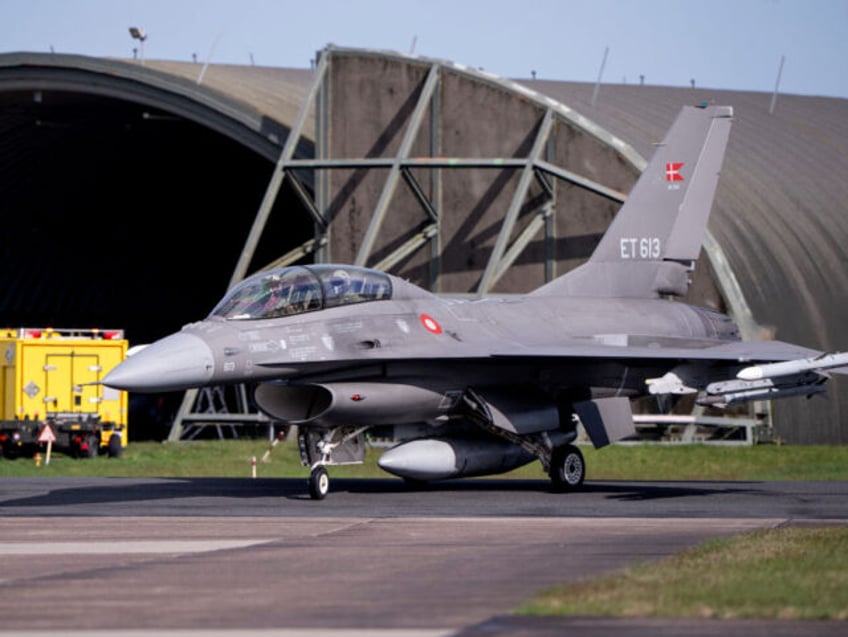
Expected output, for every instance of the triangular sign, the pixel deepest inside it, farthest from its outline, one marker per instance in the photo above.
(47, 434)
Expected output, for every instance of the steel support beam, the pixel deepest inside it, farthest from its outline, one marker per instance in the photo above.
(550, 217)
(409, 136)
(582, 182)
(493, 267)
(436, 192)
(419, 194)
(419, 240)
(462, 162)
(526, 236)
(322, 151)
(309, 246)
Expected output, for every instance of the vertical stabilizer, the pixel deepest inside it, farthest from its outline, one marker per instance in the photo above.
(656, 236)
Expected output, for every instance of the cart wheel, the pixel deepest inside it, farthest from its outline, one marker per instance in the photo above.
(115, 447)
(92, 443)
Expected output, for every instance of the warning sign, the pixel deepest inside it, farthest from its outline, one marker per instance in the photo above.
(47, 434)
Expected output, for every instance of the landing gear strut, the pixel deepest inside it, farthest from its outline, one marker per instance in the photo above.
(320, 448)
(563, 461)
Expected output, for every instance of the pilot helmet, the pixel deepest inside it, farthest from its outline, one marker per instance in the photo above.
(274, 282)
(340, 279)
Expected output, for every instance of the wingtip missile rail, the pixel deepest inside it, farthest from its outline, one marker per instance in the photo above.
(799, 377)
(791, 368)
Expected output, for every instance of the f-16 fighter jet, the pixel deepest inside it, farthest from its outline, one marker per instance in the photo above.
(478, 387)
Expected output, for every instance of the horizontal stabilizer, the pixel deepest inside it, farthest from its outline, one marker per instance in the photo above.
(606, 420)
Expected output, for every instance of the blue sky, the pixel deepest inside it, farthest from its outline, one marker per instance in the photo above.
(730, 44)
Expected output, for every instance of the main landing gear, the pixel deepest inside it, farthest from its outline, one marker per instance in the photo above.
(562, 460)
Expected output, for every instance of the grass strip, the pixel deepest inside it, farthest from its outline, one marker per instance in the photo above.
(232, 458)
(785, 573)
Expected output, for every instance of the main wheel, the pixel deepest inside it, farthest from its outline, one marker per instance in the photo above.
(568, 469)
(319, 483)
(115, 448)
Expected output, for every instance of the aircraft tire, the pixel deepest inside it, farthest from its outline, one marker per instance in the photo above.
(568, 469)
(319, 483)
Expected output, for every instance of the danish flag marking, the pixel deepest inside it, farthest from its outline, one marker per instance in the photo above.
(430, 324)
(672, 171)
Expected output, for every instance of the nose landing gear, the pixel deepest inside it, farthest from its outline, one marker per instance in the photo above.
(321, 448)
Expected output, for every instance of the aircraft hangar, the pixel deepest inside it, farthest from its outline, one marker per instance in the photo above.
(133, 195)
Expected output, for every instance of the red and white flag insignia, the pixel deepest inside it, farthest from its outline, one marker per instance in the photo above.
(672, 171)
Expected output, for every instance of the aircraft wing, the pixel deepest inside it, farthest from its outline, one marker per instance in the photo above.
(604, 349)
(740, 351)
(774, 369)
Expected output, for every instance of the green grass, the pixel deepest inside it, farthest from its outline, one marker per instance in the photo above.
(709, 462)
(706, 462)
(232, 458)
(787, 573)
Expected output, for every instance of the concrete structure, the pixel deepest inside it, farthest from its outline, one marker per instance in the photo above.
(148, 173)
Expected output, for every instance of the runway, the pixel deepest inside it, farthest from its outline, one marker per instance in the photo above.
(244, 556)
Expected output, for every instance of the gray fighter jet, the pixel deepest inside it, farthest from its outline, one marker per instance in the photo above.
(484, 386)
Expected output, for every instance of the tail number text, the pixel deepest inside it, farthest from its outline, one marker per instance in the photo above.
(640, 247)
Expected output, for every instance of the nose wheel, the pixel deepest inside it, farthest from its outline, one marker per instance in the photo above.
(319, 483)
(320, 448)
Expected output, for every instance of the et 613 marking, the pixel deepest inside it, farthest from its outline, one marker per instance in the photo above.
(640, 247)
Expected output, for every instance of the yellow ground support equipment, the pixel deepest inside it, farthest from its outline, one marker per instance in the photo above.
(50, 377)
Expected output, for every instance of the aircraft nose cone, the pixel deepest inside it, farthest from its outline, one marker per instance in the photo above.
(177, 362)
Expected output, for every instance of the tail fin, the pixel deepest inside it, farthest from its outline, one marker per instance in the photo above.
(652, 243)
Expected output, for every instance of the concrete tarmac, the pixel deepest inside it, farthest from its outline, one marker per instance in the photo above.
(255, 557)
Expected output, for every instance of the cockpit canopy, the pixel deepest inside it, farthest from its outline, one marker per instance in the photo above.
(299, 289)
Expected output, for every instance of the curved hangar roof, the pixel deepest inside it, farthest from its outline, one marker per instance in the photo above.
(117, 176)
(87, 186)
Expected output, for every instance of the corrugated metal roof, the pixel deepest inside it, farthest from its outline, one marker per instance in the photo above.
(273, 92)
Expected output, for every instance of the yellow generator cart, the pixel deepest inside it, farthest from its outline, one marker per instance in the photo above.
(51, 377)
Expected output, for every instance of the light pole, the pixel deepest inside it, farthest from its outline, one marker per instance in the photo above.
(141, 36)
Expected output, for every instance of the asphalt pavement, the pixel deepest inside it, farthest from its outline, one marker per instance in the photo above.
(242, 556)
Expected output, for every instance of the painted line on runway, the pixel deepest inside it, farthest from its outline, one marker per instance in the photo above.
(125, 547)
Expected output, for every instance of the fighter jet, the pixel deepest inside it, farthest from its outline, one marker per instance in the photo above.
(478, 387)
